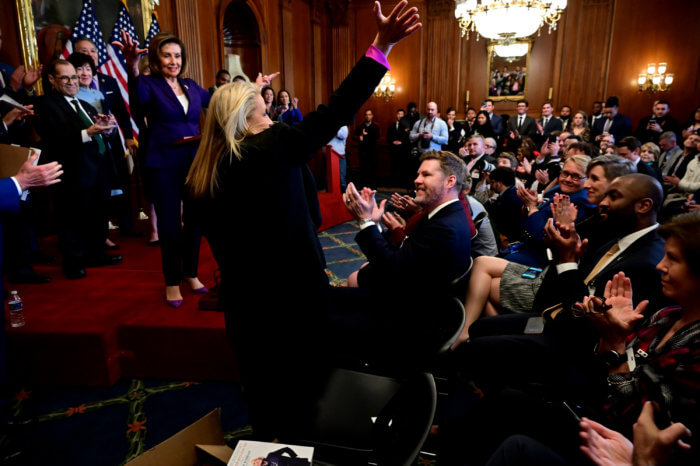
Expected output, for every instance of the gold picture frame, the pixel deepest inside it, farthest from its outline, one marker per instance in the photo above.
(506, 78)
(27, 31)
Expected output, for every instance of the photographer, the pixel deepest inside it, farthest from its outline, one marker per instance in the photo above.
(430, 132)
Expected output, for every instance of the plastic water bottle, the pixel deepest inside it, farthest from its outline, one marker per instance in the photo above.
(16, 310)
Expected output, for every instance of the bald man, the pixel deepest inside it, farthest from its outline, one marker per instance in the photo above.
(430, 132)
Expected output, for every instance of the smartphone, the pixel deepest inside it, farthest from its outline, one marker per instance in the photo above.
(532, 273)
(552, 138)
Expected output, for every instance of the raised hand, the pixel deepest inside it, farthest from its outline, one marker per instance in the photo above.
(266, 79)
(31, 76)
(17, 78)
(131, 51)
(528, 197)
(395, 27)
(542, 176)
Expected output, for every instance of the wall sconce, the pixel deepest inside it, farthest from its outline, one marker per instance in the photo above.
(655, 79)
(386, 87)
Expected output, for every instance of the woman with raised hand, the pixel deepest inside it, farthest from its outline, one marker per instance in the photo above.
(172, 105)
(255, 171)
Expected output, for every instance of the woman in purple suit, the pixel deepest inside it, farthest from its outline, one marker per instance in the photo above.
(172, 105)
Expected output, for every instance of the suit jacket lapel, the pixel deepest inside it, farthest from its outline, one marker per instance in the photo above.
(168, 91)
(640, 243)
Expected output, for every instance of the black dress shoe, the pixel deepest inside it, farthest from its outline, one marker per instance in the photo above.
(74, 273)
(33, 278)
(105, 259)
(113, 247)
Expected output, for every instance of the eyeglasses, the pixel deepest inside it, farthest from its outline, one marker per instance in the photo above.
(67, 79)
(574, 176)
(489, 146)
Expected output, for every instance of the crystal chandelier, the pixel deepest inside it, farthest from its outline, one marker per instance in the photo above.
(507, 20)
(386, 87)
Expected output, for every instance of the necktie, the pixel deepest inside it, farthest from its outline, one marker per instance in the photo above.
(87, 122)
(608, 124)
(520, 122)
(544, 122)
(2, 82)
(602, 262)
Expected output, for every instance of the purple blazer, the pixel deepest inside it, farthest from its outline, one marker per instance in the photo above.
(167, 121)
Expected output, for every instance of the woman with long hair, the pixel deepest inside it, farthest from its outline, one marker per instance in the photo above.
(287, 110)
(483, 125)
(579, 126)
(268, 95)
(245, 166)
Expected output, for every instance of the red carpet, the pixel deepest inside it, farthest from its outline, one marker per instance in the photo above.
(115, 322)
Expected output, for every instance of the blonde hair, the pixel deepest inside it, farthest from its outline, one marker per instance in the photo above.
(580, 160)
(653, 148)
(224, 129)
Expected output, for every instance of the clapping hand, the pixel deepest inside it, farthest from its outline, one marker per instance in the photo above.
(369, 196)
(542, 176)
(358, 207)
(528, 197)
(653, 445)
(619, 315)
(565, 240)
(563, 211)
(393, 221)
(395, 27)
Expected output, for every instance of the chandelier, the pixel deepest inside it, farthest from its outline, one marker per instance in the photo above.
(506, 20)
(655, 79)
(386, 87)
(512, 51)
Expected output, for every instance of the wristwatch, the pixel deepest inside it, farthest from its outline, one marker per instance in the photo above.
(612, 358)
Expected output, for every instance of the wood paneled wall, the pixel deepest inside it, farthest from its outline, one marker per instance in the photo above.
(599, 48)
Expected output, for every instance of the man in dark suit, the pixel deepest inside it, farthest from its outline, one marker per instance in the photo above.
(496, 121)
(596, 113)
(397, 138)
(547, 124)
(506, 210)
(367, 135)
(74, 135)
(651, 127)
(614, 123)
(439, 244)
(630, 148)
(222, 77)
(521, 125)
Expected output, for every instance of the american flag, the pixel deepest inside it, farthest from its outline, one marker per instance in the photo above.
(153, 30)
(116, 66)
(110, 61)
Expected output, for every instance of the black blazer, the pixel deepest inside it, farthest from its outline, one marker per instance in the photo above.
(637, 261)
(276, 227)
(61, 140)
(646, 169)
(621, 127)
(433, 255)
(506, 214)
(528, 128)
(397, 134)
(115, 103)
(554, 124)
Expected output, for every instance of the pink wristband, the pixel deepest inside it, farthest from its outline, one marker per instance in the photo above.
(375, 54)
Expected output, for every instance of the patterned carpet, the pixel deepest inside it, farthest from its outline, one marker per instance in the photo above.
(56, 426)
